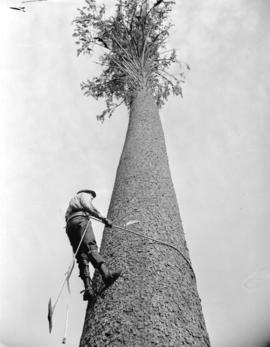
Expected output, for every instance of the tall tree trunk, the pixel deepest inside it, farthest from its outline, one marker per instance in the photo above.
(155, 301)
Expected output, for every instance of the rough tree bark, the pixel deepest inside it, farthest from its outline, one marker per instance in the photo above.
(155, 302)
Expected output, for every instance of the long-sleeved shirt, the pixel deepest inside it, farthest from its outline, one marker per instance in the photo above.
(82, 202)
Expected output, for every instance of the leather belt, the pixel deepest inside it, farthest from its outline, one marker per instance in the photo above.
(76, 214)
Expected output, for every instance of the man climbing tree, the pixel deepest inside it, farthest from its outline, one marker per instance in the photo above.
(79, 230)
(155, 301)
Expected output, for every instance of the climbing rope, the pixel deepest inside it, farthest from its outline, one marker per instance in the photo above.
(154, 240)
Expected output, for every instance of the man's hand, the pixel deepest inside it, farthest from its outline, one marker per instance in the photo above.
(107, 222)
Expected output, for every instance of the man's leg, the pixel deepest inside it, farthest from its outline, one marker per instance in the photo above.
(83, 264)
(89, 246)
(97, 260)
(75, 230)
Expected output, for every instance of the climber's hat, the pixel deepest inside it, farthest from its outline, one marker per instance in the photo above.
(88, 192)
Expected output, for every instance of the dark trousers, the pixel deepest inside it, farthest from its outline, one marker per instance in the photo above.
(88, 251)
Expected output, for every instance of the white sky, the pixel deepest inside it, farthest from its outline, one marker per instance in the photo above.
(218, 146)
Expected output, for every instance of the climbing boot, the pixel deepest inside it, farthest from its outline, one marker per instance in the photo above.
(88, 292)
(108, 276)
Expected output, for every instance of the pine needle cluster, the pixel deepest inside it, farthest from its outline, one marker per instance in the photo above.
(135, 55)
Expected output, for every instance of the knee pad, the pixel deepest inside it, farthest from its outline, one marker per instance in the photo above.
(95, 258)
(92, 247)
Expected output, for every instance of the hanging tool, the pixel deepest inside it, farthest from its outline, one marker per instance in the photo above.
(64, 341)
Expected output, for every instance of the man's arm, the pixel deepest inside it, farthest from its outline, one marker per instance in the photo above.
(105, 220)
(89, 207)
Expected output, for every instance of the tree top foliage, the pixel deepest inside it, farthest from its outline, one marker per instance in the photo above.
(135, 56)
